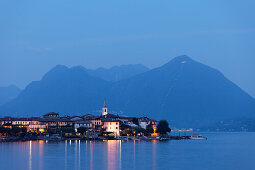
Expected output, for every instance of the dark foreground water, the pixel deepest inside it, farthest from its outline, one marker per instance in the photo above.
(221, 151)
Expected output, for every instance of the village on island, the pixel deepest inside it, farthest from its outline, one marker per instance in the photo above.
(88, 127)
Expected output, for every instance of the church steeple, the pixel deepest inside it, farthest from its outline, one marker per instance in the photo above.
(104, 109)
(104, 103)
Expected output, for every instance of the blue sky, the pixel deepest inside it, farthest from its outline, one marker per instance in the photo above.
(37, 35)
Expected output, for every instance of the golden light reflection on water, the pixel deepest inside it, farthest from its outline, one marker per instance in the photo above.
(154, 154)
(91, 155)
(83, 155)
(134, 155)
(113, 154)
(79, 160)
(65, 154)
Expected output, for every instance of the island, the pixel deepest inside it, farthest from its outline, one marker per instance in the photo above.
(86, 127)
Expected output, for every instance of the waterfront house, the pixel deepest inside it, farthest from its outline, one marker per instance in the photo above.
(82, 123)
(145, 121)
(34, 124)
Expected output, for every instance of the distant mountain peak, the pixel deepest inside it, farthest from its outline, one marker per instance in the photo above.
(182, 59)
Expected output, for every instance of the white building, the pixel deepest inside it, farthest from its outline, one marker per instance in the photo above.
(111, 126)
(82, 123)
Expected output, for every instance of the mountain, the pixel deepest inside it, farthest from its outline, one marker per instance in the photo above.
(62, 89)
(183, 91)
(117, 73)
(8, 93)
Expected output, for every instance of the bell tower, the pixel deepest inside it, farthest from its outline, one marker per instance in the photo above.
(104, 109)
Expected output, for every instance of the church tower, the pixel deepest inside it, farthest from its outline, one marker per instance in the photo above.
(104, 109)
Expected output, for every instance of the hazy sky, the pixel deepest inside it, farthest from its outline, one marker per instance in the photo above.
(36, 35)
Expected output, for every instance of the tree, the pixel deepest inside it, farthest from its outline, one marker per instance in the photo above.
(15, 130)
(149, 129)
(163, 127)
(140, 131)
(124, 126)
(67, 130)
(135, 121)
(82, 130)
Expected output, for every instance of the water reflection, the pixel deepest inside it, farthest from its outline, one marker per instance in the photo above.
(131, 154)
(30, 155)
(154, 154)
(91, 155)
(66, 154)
(78, 154)
(79, 160)
(113, 154)
(134, 156)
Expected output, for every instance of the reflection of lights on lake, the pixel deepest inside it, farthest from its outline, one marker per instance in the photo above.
(120, 153)
(65, 154)
(91, 155)
(70, 142)
(79, 156)
(154, 153)
(30, 155)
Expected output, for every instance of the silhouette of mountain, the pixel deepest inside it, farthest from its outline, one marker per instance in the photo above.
(117, 73)
(62, 89)
(183, 91)
(8, 93)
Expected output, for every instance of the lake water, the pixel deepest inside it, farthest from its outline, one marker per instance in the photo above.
(221, 151)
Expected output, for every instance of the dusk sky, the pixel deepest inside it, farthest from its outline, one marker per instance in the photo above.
(37, 35)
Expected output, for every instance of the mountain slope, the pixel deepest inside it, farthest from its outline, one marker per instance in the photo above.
(61, 90)
(185, 91)
(8, 93)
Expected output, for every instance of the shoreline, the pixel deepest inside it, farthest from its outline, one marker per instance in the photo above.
(143, 138)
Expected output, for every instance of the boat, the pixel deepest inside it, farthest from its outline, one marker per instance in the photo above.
(197, 137)
(163, 139)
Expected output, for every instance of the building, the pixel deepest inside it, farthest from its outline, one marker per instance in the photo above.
(111, 126)
(82, 123)
(34, 124)
(145, 121)
(51, 115)
(104, 109)
(57, 122)
(108, 122)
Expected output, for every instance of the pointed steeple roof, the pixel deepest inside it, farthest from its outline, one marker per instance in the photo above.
(104, 103)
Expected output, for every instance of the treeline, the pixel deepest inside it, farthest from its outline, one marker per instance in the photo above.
(14, 131)
(162, 128)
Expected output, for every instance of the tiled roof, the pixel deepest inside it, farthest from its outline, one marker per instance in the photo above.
(21, 119)
(146, 119)
(60, 119)
(109, 120)
(51, 113)
(83, 122)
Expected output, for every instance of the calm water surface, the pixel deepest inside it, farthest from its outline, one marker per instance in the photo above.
(220, 151)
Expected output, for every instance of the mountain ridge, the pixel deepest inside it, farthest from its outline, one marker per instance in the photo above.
(183, 91)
